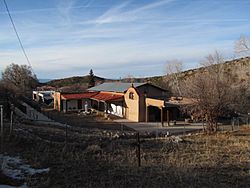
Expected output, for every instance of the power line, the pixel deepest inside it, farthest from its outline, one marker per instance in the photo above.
(19, 39)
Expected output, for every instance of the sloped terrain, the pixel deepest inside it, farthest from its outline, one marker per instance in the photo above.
(237, 70)
(93, 158)
(73, 80)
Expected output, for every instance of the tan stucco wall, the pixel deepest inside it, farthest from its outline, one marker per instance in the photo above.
(132, 105)
(154, 102)
(135, 108)
(57, 101)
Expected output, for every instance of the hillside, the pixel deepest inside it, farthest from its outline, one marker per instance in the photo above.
(73, 80)
(238, 70)
(76, 83)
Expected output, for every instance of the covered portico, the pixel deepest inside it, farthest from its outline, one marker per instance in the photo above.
(68, 102)
(160, 110)
(108, 103)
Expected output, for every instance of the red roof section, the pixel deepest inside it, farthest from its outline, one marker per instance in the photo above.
(108, 97)
(79, 95)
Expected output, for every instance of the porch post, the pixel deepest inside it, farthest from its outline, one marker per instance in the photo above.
(167, 117)
(162, 122)
(123, 109)
(105, 107)
(146, 113)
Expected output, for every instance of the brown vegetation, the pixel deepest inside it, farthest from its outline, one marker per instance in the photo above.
(94, 159)
(213, 94)
(236, 70)
(19, 79)
(82, 80)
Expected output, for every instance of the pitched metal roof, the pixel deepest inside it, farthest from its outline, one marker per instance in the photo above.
(114, 86)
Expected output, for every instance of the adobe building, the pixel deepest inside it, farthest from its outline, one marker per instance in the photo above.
(138, 102)
(70, 102)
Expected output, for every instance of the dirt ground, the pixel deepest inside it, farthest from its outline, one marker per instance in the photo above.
(93, 121)
(108, 158)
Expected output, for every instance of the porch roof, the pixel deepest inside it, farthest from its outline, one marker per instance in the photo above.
(169, 102)
(71, 96)
(108, 97)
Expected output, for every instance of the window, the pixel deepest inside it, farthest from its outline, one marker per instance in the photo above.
(131, 95)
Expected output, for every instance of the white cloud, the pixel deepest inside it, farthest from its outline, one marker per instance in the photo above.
(66, 40)
(120, 14)
(63, 60)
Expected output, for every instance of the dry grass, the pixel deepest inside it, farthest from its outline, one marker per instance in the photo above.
(93, 121)
(91, 159)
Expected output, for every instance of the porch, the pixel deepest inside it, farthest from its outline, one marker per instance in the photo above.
(161, 111)
(108, 103)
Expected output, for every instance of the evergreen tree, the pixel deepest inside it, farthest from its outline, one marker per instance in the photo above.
(91, 79)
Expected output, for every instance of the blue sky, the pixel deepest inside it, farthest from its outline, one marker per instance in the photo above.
(118, 38)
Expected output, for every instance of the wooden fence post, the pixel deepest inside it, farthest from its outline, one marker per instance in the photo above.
(232, 124)
(138, 149)
(184, 128)
(238, 123)
(11, 122)
(66, 133)
(12, 108)
(203, 127)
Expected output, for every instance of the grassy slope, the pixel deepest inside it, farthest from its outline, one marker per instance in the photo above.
(93, 159)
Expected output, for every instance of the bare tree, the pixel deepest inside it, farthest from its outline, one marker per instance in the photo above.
(129, 78)
(242, 45)
(19, 79)
(211, 92)
(173, 70)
